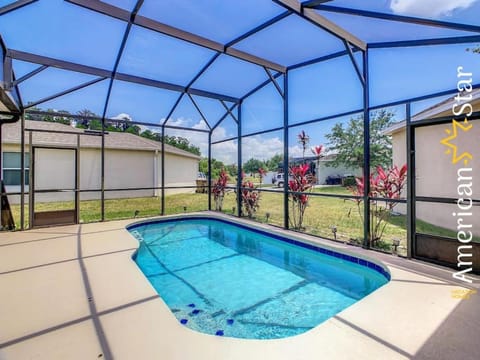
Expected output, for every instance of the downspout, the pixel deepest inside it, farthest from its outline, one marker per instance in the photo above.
(155, 173)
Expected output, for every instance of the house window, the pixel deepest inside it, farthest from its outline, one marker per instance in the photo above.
(12, 173)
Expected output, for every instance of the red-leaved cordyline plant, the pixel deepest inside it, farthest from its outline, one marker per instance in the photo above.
(300, 181)
(303, 139)
(250, 197)
(262, 172)
(386, 184)
(318, 152)
(218, 189)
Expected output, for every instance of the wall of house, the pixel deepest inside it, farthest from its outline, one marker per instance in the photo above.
(324, 171)
(124, 169)
(436, 176)
(179, 171)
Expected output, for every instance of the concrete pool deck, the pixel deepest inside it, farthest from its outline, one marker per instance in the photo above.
(73, 292)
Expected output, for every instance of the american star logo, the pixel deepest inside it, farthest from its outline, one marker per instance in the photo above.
(452, 135)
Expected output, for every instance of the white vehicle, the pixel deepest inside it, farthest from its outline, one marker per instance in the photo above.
(278, 179)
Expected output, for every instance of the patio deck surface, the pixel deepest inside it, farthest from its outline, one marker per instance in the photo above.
(73, 292)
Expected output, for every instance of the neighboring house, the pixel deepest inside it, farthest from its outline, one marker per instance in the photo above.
(436, 176)
(323, 169)
(131, 161)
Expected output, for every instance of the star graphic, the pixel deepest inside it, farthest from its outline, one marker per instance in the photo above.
(452, 149)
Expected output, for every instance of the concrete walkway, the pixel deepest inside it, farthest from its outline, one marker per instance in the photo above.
(73, 292)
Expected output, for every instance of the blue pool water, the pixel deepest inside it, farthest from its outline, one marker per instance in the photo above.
(225, 279)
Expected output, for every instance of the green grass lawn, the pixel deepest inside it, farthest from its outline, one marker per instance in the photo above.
(320, 216)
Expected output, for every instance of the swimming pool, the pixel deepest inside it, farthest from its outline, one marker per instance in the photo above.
(227, 279)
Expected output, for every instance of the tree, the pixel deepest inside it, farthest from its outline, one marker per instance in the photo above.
(274, 162)
(217, 167)
(181, 143)
(148, 134)
(232, 170)
(252, 165)
(95, 124)
(176, 141)
(83, 121)
(347, 143)
(133, 129)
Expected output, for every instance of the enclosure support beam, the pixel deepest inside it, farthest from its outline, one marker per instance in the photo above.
(77, 181)
(199, 111)
(274, 81)
(411, 206)
(398, 18)
(65, 92)
(157, 26)
(321, 21)
(366, 154)
(426, 42)
(319, 59)
(162, 201)
(229, 112)
(169, 115)
(67, 65)
(7, 72)
(132, 16)
(22, 171)
(30, 74)
(239, 161)
(31, 166)
(285, 152)
(14, 6)
(209, 178)
(261, 86)
(354, 63)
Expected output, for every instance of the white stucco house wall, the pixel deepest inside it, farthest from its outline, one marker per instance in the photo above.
(325, 169)
(131, 161)
(436, 176)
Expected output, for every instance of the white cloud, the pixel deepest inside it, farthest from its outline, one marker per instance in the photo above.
(258, 147)
(428, 8)
(122, 116)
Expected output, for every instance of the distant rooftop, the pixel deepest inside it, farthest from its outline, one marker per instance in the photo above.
(113, 140)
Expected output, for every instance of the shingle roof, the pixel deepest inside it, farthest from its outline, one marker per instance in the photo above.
(113, 140)
(443, 108)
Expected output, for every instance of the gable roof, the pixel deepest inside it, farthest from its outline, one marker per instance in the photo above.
(443, 108)
(113, 140)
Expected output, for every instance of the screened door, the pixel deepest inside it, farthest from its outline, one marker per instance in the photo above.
(54, 184)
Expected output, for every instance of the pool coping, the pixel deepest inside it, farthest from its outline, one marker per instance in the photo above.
(415, 315)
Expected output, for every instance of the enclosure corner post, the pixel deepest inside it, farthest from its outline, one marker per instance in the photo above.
(209, 177)
(22, 171)
(411, 207)
(366, 152)
(285, 151)
(239, 160)
(162, 206)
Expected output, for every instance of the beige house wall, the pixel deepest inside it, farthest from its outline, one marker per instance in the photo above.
(124, 169)
(436, 176)
(179, 171)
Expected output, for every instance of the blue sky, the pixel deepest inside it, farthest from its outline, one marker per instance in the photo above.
(78, 35)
